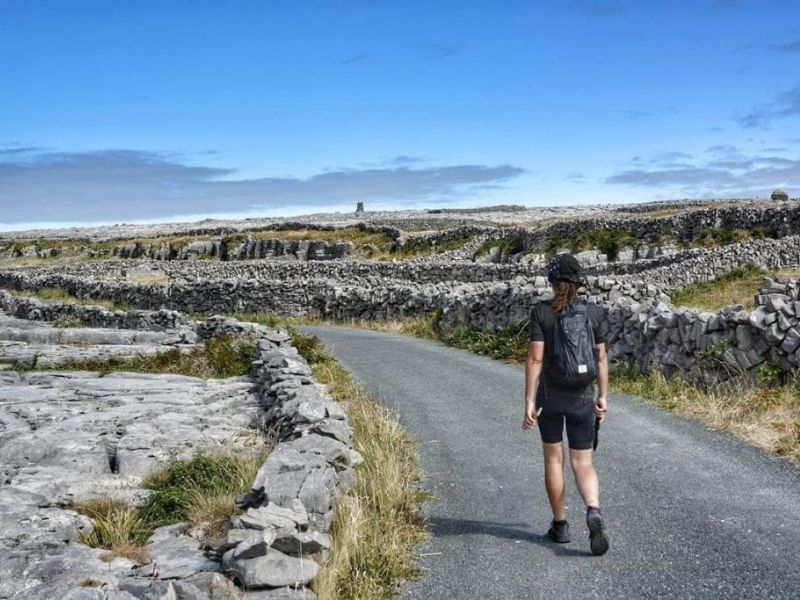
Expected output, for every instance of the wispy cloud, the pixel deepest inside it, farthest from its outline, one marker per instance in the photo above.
(790, 47)
(435, 51)
(725, 172)
(575, 177)
(786, 104)
(355, 58)
(125, 184)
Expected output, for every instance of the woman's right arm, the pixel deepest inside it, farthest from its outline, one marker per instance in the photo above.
(533, 371)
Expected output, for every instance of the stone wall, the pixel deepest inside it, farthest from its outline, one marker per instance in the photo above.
(34, 309)
(705, 345)
(289, 509)
(706, 264)
(776, 221)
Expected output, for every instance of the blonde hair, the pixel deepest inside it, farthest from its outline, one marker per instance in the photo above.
(565, 293)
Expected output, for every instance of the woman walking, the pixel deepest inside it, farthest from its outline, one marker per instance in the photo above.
(566, 353)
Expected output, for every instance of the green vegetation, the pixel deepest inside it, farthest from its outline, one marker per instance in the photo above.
(199, 491)
(65, 322)
(509, 344)
(219, 357)
(378, 522)
(59, 295)
(722, 236)
(425, 248)
(508, 246)
(607, 241)
(739, 286)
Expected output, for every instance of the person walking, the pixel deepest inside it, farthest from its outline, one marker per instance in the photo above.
(566, 354)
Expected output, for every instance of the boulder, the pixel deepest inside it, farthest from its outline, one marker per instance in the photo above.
(779, 195)
(273, 570)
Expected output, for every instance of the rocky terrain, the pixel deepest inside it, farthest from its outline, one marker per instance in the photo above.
(69, 435)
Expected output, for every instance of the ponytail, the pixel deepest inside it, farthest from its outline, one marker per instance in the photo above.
(565, 293)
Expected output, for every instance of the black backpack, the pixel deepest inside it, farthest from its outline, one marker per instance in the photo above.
(573, 361)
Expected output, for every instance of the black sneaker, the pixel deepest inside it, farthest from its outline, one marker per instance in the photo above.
(598, 540)
(559, 532)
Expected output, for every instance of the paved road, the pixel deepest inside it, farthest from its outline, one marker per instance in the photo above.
(691, 513)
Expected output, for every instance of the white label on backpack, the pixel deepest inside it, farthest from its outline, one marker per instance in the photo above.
(582, 369)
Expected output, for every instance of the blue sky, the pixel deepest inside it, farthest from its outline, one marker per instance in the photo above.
(121, 111)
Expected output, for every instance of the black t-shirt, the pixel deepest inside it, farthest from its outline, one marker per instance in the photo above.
(541, 325)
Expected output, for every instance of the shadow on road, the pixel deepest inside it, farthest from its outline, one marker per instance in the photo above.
(442, 527)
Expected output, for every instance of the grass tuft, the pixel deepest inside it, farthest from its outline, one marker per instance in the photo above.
(118, 527)
(200, 491)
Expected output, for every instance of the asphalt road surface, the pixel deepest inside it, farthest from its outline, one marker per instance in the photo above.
(691, 513)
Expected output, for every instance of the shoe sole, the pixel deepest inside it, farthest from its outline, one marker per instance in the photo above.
(598, 540)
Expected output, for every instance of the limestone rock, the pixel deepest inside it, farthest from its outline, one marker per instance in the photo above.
(276, 569)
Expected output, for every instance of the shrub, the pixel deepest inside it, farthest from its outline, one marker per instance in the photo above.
(508, 246)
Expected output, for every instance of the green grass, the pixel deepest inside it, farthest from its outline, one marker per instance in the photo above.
(508, 344)
(607, 241)
(378, 522)
(199, 491)
(59, 295)
(739, 286)
(220, 357)
(425, 248)
(713, 237)
(508, 246)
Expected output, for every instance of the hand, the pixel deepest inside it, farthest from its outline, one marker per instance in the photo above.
(601, 407)
(531, 414)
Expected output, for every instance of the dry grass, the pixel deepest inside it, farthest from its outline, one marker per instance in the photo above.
(422, 326)
(117, 526)
(737, 287)
(765, 416)
(378, 522)
(148, 278)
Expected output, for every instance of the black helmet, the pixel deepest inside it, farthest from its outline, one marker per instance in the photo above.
(564, 267)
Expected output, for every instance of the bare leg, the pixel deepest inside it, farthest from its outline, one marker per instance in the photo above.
(554, 479)
(585, 476)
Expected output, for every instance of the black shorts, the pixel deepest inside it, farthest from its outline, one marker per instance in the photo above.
(576, 409)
